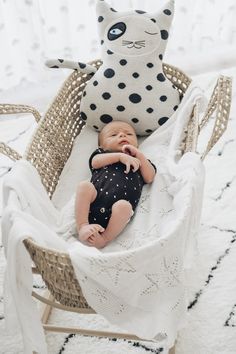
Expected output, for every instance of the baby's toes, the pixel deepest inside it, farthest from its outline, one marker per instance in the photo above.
(91, 238)
(100, 228)
(90, 241)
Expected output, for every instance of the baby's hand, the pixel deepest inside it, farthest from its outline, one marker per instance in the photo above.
(130, 150)
(130, 162)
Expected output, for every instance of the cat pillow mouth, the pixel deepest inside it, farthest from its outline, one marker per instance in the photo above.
(123, 38)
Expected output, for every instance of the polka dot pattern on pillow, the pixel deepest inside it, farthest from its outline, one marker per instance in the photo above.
(130, 85)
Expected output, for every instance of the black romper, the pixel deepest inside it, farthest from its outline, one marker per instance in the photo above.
(112, 184)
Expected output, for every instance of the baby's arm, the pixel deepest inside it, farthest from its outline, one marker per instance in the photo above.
(146, 168)
(102, 160)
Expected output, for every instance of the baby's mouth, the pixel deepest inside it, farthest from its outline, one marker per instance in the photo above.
(123, 142)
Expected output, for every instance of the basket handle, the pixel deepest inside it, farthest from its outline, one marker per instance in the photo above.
(220, 103)
(13, 109)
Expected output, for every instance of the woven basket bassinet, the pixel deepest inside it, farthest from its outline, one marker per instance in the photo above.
(51, 145)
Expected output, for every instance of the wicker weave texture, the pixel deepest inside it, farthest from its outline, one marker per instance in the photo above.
(51, 145)
(9, 152)
(6, 109)
(220, 103)
(58, 274)
(19, 108)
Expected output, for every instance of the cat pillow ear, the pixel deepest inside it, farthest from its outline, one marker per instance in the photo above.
(164, 19)
(105, 14)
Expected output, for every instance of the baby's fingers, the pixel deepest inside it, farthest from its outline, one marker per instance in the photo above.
(127, 167)
(135, 168)
(136, 165)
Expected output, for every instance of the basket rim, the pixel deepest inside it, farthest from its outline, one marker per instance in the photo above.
(30, 240)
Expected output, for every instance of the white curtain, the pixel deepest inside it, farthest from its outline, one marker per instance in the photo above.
(33, 30)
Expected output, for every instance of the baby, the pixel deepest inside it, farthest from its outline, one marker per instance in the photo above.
(105, 205)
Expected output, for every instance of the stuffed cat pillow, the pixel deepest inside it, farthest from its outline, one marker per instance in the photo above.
(130, 85)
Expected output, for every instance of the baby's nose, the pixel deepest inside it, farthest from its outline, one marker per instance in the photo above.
(122, 134)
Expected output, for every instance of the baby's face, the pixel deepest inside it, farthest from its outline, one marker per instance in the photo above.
(117, 134)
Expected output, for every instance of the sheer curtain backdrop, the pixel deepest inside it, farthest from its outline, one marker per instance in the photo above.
(31, 31)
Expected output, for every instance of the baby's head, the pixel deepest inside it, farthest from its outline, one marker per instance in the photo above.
(117, 134)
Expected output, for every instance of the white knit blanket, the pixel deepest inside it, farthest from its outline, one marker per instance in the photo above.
(136, 282)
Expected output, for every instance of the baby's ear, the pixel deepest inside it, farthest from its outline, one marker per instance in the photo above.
(105, 14)
(164, 19)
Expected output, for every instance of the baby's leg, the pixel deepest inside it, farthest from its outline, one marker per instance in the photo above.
(86, 194)
(121, 213)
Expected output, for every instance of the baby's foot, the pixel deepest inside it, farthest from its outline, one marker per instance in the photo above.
(88, 230)
(97, 241)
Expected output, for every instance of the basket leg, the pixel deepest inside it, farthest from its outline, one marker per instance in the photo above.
(93, 333)
(45, 309)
